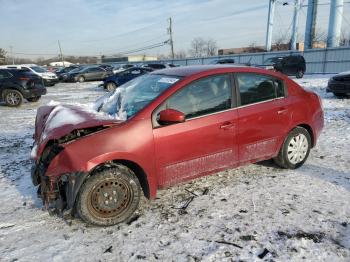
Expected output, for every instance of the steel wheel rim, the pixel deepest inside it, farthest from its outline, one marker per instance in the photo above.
(297, 148)
(13, 98)
(110, 198)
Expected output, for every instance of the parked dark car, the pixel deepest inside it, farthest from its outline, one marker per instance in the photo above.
(17, 84)
(293, 65)
(88, 74)
(170, 126)
(157, 66)
(223, 61)
(112, 82)
(339, 84)
(63, 72)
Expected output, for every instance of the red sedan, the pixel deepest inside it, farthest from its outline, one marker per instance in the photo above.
(167, 127)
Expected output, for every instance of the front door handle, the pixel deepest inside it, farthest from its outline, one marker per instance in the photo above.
(227, 125)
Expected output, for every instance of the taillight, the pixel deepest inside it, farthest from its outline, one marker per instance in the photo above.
(24, 78)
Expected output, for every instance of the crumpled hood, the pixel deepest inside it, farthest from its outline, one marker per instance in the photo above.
(54, 122)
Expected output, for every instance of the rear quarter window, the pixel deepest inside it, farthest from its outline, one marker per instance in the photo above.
(255, 88)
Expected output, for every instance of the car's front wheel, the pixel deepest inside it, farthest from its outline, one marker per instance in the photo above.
(295, 149)
(110, 86)
(300, 74)
(109, 196)
(81, 79)
(13, 98)
(34, 99)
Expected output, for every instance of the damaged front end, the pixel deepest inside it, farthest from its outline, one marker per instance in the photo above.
(59, 191)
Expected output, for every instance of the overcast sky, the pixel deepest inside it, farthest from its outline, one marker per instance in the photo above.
(94, 27)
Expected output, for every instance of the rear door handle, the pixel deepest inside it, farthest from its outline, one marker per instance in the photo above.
(227, 125)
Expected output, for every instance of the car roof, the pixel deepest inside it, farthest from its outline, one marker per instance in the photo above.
(191, 70)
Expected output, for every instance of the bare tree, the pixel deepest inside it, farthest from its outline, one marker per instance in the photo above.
(320, 37)
(2, 56)
(201, 47)
(345, 39)
(280, 44)
(211, 47)
(197, 47)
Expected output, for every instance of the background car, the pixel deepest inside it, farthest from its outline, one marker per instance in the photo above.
(339, 84)
(121, 67)
(17, 84)
(223, 61)
(157, 66)
(50, 79)
(293, 65)
(63, 72)
(89, 73)
(112, 82)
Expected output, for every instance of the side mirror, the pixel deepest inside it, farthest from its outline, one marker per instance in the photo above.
(171, 116)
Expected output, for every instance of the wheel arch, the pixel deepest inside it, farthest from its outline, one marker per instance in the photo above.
(12, 87)
(309, 130)
(76, 180)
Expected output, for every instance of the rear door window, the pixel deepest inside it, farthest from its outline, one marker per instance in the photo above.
(255, 88)
(4, 74)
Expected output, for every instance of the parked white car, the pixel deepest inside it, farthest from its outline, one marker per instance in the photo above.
(50, 79)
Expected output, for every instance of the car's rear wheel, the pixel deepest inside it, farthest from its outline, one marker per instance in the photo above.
(13, 98)
(295, 149)
(81, 79)
(300, 74)
(111, 87)
(34, 99)
(109, 196)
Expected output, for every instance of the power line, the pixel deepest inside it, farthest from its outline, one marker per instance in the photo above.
(143, 48)
(119, 35)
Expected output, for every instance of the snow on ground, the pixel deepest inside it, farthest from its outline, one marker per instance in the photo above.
(295, 215)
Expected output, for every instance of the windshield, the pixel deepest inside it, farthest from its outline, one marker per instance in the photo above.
(130, 98)
(76, 70)
(38, 69)
(271, 60)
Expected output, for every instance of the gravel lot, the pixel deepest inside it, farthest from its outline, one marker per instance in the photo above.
(294, 215)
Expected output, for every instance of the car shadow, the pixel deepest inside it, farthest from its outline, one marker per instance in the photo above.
(331, 175)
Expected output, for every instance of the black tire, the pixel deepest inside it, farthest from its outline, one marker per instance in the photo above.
(33, 99)
(300, 74)
(285, 159)
(109, 196)
(111, 87)
(13, 98)
(81, 79)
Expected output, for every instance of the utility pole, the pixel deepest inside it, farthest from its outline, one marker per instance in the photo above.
(293, 40)
(170, 32)
(310, 29)
(270, 24)
(335, 21)
(11, 51)
(62, 58)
